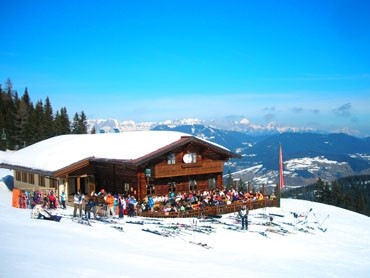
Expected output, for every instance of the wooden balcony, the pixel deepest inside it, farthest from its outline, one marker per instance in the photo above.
(183, 169)
(212, 211)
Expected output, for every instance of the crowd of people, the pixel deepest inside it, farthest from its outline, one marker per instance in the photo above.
(106, 204)
(47, 199)
(194, 200)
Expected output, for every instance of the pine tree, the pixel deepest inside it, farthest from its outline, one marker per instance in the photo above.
(79, 124)
(348, 200)
(336, 195)
(83, 123)
(359, 201)
(75, 124)
(319, 190)
(48, 121)
(24, 108)
(57, 123)
(9, 112)
(326, 195)
(30, 128)
(38, 132)
(2, 121)
(65, 122)
(61, 122)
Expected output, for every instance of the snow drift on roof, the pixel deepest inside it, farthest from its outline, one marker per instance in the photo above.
(58, 152)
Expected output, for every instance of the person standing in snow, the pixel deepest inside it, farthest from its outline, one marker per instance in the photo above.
(151, 203)
(77, 203)
(109, 200)
(63, 198)
(52, 200)
(121, 206)
(115, 204)
(90, 206)
(243, 214)
(132, 206)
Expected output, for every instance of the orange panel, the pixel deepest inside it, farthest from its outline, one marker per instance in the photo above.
(16, 195)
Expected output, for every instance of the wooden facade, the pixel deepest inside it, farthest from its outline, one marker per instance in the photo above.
(164, 172)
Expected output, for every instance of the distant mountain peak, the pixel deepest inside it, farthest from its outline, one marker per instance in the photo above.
(241, 124)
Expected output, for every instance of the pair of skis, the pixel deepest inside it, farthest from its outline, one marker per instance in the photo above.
(204, 245)
(159, 233)
(235, 228)
(83, 220)
(119, 228)
(106, 220)
(156, 232)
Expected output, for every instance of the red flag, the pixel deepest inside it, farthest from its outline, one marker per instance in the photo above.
(281, 170)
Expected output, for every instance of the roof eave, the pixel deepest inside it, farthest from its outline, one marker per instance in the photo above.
(72, 167)
(26, 169)
(56, 173)
(182, 141)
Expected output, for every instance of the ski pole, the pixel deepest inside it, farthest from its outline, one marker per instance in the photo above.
(324, 220)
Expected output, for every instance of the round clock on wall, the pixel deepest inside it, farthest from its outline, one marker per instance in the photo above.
(187, 158)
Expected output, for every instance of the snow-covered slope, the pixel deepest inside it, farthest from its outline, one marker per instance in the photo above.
(40, 248)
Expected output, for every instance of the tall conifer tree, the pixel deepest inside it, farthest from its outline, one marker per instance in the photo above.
(48, 121)
(62, 123)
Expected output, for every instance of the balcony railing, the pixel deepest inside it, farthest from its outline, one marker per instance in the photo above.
(212, 210)
(161, 171)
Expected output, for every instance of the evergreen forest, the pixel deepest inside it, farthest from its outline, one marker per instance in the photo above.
(352, 193)
(23, 123)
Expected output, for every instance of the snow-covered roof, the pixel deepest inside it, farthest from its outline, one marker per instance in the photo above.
(61, 151)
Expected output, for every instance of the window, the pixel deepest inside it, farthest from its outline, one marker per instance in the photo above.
(171, 187)
(193, 185)
(193, 158)
(212, 183)
(31, 178)
(150, 189)
(171, 159)
(24, 177)
(18, 176)
(41, 181)
(53, 183)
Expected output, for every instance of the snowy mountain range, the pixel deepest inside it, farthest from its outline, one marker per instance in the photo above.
(307, 154)
(239, 124)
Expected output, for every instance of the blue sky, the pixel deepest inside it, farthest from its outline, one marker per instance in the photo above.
(295, 63)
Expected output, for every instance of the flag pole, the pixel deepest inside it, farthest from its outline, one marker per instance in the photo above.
(281, 173)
